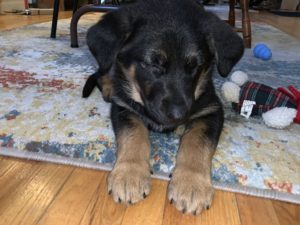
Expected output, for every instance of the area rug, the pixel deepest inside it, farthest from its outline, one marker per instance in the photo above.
(43, 117)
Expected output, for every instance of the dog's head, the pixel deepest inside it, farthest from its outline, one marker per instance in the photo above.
(162, 59)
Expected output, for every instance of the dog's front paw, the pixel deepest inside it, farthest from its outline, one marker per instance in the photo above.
(190, 191)
(129, 182)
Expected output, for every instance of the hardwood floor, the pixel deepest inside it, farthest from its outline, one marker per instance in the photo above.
(34, 192)
(289, 25)
(10, 21)
(42, 193)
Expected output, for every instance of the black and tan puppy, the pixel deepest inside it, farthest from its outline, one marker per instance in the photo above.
(155, 66)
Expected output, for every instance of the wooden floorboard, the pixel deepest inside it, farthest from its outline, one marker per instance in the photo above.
(150, 211)
(71, 202)
(289, 25)
(287, 213)
(27, 189)
(224, 210)
(101, 209)
(42, 193)
(256, 211)
(10, 21)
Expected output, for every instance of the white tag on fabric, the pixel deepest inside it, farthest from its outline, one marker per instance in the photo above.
(247, 107)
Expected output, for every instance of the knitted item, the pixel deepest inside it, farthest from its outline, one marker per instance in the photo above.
(266, 98)
(295, 95)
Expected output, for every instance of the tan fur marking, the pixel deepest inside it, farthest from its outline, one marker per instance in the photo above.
(201, 84)
(129, 180)
(197, 145)
(190, 186)
(134, 142)
(131, 71)
(107, 87)
(205, 111)
(134, 89)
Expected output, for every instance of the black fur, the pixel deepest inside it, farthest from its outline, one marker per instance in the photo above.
(90, 84)
(170, 44)
(155, 62)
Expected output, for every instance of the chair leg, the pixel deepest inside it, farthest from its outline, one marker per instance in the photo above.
(246, 25)
(231, 16)
(82, 10)
(54, 19)
(75, 6)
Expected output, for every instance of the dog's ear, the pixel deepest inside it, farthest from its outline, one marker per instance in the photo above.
(106, 38)
(226, 45)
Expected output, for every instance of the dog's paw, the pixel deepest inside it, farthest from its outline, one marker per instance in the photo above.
(129, 182)
(106, 88)
(190, 191)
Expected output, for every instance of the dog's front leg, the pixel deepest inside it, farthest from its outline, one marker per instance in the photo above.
(190, 189)
(129, 181)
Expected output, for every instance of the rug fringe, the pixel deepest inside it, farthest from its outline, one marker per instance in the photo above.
(271, 194)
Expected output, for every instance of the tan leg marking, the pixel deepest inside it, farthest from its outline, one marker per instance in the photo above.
(190, 188)
(129, 181)
(107, 87)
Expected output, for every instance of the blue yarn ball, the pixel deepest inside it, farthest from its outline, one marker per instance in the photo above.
(262, 51)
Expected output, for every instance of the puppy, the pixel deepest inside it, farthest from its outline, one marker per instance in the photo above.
(155, 67)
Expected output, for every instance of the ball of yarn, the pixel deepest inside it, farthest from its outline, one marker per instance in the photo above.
(239, 77)
(262, 51)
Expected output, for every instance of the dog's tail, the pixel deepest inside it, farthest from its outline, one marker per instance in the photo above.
(90, 84)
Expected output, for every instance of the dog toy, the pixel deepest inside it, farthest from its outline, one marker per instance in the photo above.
(262, 51)
(278, 107)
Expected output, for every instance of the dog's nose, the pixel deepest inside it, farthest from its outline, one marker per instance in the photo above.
(175, 110)
(177, 113)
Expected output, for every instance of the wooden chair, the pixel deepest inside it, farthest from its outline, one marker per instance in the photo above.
(246, 23)
(82, 10)
(77, 13)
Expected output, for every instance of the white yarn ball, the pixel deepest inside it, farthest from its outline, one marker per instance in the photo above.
(279, 117)
(231, 92)
(239, 77)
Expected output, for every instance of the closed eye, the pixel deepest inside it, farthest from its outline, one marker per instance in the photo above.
(191, 64)
(156, 69)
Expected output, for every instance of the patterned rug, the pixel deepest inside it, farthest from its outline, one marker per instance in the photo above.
(43, 117)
